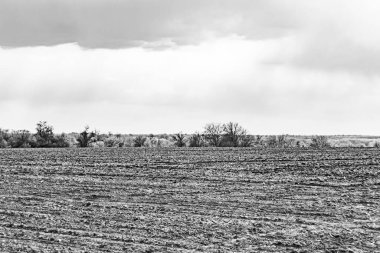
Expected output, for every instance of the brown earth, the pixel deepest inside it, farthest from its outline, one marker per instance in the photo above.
(189, 200)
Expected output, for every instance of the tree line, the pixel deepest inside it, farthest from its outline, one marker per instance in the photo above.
(229, 134)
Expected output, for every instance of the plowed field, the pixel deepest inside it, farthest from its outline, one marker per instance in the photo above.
(189, 200)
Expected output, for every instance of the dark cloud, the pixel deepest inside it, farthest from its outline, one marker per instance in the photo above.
(336, 33)
(292, 61)
(117, 23)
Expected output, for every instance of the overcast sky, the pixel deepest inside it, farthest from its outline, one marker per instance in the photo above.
(156, 66)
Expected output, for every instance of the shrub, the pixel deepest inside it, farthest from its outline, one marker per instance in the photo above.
(97, 144)
(44, 135)
(320, 141)
(179, 140)
(163, 136)
(258, 140)
(4, 137)
(4, 134)
(128, 141)
(3, 143)
(246, 141)
(147, 143)
(86, 137)
(162, 143)
(154, 142)
(21, 139)
(280, 141)
(271, 141)
(113, 141)
(139, 141)
(60, 141)
(196, 140)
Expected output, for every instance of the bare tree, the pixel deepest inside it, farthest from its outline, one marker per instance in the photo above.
(213, 134)
(234, 133)
(196, 140)
(86, 137)
(44, 135)
(179, 139)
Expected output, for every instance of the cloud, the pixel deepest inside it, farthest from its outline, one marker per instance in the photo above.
(65, 74)
(331, 35)
(118, 24)
(180, 89)
(276, 66)
(338, 36)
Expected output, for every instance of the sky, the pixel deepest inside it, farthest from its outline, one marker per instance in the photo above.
(165, 66)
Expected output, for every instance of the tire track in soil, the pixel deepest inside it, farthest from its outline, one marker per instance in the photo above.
(191, 199)
(74, 234)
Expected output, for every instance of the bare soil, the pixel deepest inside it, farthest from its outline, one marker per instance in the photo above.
(190, 200)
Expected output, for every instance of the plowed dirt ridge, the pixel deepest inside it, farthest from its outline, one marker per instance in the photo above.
(189, 200)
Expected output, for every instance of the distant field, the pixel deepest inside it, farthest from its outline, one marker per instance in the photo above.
(341, 140)
(189, 200)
